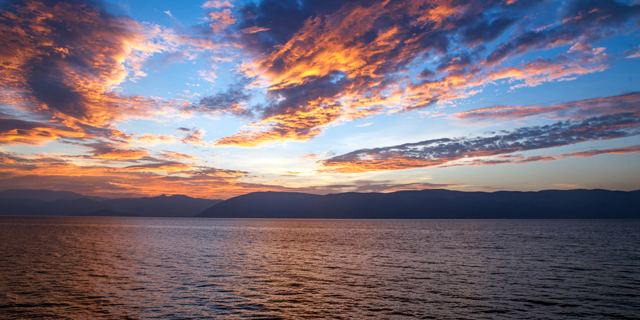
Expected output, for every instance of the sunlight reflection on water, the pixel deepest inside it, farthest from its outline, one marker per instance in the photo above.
(229, 268)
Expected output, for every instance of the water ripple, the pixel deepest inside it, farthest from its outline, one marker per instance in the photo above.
(138, 268)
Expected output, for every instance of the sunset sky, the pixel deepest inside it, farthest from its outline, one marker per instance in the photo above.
(215, 99)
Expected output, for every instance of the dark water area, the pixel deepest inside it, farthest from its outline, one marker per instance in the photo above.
(164, 268)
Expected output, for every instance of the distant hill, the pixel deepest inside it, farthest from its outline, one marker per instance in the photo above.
(60, 203)
(109, 213)
(43, 195)
(162, 206)
(434, 204)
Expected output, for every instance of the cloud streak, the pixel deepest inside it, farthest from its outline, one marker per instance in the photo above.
(515, 159)
(626, 103)
(447, 151)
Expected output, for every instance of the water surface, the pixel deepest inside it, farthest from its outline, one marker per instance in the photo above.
(146, 268)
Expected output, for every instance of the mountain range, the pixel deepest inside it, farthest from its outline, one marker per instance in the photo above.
(434, 204)
(63, 203)
(425, 204)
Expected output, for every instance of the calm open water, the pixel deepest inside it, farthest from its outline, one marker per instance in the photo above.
(144, 268)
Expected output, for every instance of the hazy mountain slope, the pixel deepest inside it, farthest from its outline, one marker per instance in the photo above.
(267, 204)
(58, 203)
(162, 206)
(43, 195)
(434, 204)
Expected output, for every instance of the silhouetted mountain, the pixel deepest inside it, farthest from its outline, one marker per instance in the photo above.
(434, 204)
(162, 206)
(49, 208)
(75, 207)
(11, 207)
(43, 195)
(109, 213)
(32, 202)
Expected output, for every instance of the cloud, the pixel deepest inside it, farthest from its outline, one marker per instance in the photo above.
(585, 21)
(298, 117)
(155, 138)
(571, 110)
(515, 159)
(595, 152)
(447, 151)
(13, 131)
(110, 151)
(632, 53)
(324, 63)
(384, 186)
(63, 60)
(216, 4)
(321, 63)
(172, 155)
(218, 20)
(233, 101)
(539, 70)
(252, 30)
(193, 136)
(486, 30)
(164, 166)
(308, 157)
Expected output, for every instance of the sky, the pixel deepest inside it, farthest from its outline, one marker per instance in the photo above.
(214, 99)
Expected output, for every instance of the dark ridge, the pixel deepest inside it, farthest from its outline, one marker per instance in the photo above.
(109, 213)
(267, 205)
(162, 206)
(60, 203)
(43, 195)
(75, 207)
(434, 204)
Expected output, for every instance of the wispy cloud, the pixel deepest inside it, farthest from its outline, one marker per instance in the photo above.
(565, 111)
(516, 159)
(447, 151)
(193, 136)
(233, 101)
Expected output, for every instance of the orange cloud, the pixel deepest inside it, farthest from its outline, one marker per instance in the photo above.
(171, 155)
(220, 19)
(299, 126)
(156, 138)
(356, 61)
(254, 29)
(308, 157)
(14, 131)
(62, 61)
(122, 154)
(391, 162)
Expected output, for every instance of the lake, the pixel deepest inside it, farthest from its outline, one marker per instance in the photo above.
(163, 268)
